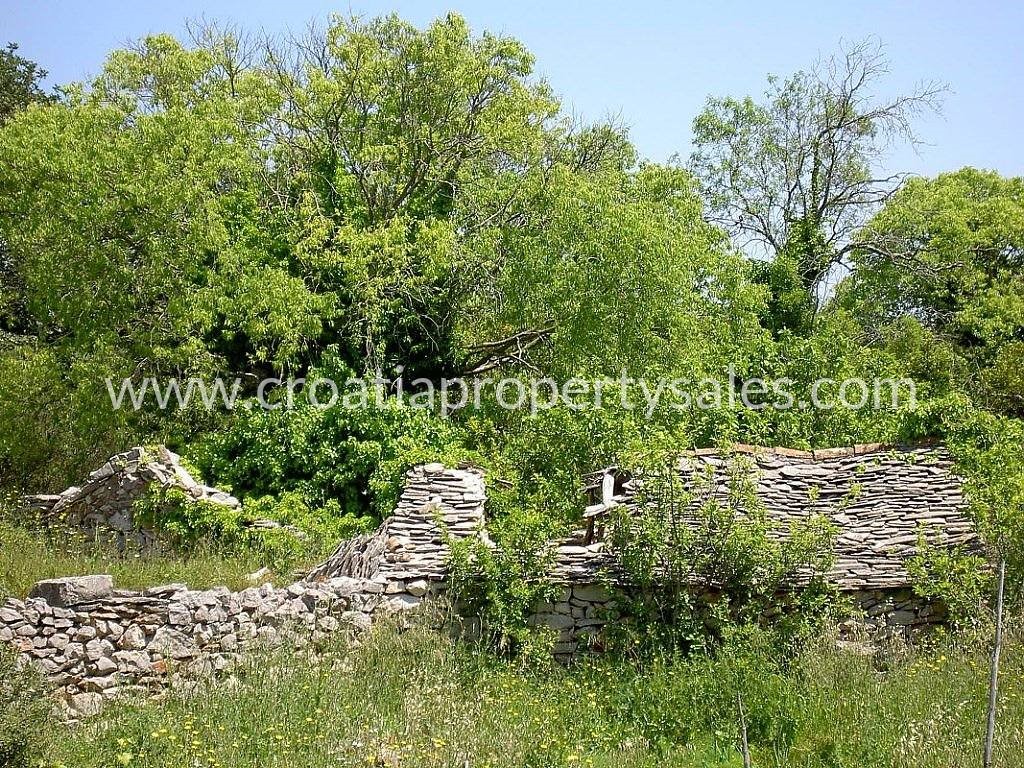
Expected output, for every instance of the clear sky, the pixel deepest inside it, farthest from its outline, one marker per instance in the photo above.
(653, 63)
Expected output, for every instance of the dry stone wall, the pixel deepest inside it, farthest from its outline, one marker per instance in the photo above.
(103, 505)
(94, 641)
(436, 503)
(878, 498)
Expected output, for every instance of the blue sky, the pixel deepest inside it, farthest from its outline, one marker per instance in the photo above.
(653, 63)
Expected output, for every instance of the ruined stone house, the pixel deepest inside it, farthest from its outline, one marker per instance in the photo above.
(96, 642)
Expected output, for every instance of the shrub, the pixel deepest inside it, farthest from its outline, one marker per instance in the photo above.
(353, 456)
(303, 534)
(956, 578)
(700, 563)
(503, 585)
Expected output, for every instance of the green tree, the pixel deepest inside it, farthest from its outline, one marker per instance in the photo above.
(949, 252)
(20, 82)
(798, 172)
(19, 86)
(610, 271)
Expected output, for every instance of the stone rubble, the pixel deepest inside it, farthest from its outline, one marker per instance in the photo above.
(95, 642)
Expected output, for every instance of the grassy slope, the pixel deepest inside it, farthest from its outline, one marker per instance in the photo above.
(418, 700)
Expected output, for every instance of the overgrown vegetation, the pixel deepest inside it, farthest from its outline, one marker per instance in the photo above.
(24, 706)
(378, 201)
(28, 555)
(705, 565)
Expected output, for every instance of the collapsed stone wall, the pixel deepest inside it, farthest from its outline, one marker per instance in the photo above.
(103, 505)
(435, 503)
(879, 499)
(95, 642)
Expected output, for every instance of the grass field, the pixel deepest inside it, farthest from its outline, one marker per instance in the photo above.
(418, 699)
(28, 556)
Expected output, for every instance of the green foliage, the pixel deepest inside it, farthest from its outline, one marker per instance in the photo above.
(789, 306)
(986, 447)
(24, 710)
(947, 251)
(796, 173)
(615, 271)
(55, 418)
(382, 199)
(19, 82)
(417, 699)
(353, 458)
(302, 533)
(503, 585)
(703, 563)
(955, 578)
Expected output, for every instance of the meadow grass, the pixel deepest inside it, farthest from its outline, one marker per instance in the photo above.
(418, 698)
(28, 556)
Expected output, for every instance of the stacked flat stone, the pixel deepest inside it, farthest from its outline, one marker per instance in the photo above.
(94, 642)
(436, 503)
(103, 504)
(878, 499)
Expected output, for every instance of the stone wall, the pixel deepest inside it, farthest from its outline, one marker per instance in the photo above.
(878, 499)
(580, 612)
(95, 642)
(103, 505)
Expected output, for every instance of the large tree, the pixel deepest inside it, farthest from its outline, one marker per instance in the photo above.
(20, 85)
(794, 175)
(949, 254)
(380, 194)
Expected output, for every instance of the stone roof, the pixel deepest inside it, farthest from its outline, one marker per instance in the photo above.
(876, 497)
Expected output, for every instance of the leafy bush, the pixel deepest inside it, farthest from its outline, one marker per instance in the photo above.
(701, 563)
(355, 458)
(957, 579)
(302, 533)
(503, 585)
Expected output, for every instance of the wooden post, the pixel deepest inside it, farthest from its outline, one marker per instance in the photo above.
(993, 677)
(745, 747)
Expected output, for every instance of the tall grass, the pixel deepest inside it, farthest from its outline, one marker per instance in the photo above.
(28, 556)
(418, 699)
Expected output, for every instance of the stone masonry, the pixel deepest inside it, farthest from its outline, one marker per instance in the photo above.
(103, 505)
(878, 499)
(95, 642)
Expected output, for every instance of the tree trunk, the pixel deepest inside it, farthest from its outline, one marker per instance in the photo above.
(744, 746)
